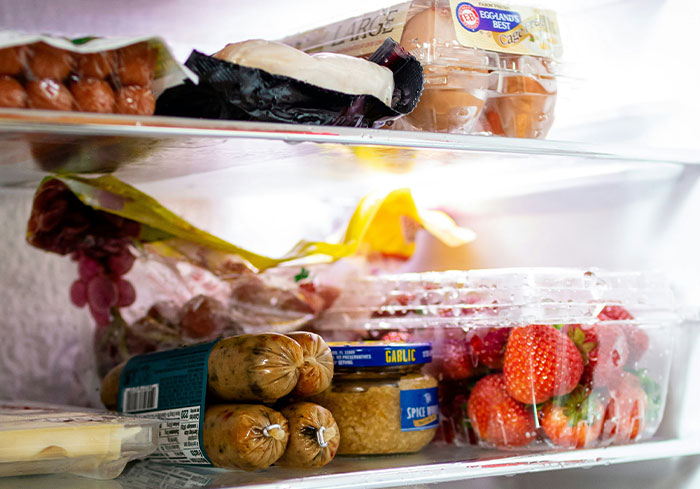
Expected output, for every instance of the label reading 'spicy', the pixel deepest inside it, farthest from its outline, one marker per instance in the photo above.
(506, 29)
(419, 409)
(170, 386)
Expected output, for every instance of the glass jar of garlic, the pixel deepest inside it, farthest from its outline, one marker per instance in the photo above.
(380, 399)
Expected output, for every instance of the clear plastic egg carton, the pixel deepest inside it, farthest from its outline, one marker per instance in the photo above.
(528, 358)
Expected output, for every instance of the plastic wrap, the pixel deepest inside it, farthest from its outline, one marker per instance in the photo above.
(231, 91)
(192, 286)
(537, 358)
(489, 68)
(43, 439)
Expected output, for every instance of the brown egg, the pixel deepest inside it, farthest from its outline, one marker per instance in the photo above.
(93, 95)
(12, 60)
(135, 100)
(454, 91)
(12, 95)
(46, 61)
(96, 65)
(48, 94)
(524, 107)
(136, 64)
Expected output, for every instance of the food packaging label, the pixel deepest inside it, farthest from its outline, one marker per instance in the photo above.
(170, 386)
(379, 354)
(419, 409)
(507, 29)
(357, 36)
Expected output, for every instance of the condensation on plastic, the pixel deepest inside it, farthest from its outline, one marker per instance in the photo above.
(46, 438)
(465, 313)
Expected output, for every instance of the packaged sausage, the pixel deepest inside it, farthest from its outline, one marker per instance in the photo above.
(488, 67)
(121, 75)
(181, 387)
(316, 373)
(43, 439)
(244, 436)
(313, 436)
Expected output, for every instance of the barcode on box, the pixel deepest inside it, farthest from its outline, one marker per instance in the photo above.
(141, 398)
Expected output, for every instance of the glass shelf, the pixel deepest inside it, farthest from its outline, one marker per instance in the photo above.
(434, 465)
(147, 149)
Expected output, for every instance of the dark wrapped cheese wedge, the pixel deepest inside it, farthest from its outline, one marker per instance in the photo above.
(232, 91)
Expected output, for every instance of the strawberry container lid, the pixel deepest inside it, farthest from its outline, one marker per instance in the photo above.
(512, 296)
(358, 354)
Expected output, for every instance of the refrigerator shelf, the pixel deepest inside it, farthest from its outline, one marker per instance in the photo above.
(145, 149)
(435, 464)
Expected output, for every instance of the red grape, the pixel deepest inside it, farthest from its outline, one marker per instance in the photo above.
(120, 264)
(126, 293)
(101, 293)
(88, 268)
(78, 293)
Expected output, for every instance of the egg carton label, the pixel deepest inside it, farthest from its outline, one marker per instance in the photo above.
(357, 36)
(170, 386)
(507, 29)
(419, 409)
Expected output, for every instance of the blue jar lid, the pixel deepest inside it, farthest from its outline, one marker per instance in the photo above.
(358, 354)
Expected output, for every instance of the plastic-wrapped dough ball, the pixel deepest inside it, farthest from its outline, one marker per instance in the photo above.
(136, 64)
(48, 94)
(12, 60)
(12, 95)
(135, 100)
(96, 65)
(46, 61)
(92, 95)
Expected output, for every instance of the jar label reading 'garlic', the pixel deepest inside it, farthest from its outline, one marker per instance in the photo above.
(151, 386)
(507, 29)
(419, 409)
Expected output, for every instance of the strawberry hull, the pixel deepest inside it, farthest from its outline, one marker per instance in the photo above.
(528, 358)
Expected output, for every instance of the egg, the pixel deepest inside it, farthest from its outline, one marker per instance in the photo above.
(93, 95)
(456, 77)
(524, 104)
(12, 95)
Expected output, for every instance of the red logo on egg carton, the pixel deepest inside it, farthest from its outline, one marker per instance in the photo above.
(468, 16)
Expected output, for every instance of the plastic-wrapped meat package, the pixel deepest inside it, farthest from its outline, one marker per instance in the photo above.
(87, 75)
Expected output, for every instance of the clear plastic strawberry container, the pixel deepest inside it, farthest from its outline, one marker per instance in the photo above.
(528, 358)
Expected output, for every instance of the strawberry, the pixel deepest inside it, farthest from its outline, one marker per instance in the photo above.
(574, 420)
(400, 301)
(456, 359)
(626, 411)
(490, 349)
(497, 418)
(637, 338)
(604, 351)
(396, 336)
(540, 362)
